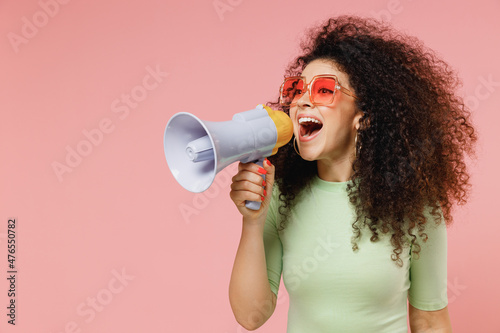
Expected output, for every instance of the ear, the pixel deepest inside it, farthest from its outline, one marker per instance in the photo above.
(357, 117)
(357, 120)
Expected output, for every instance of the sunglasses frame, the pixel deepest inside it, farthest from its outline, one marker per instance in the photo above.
(307, 88)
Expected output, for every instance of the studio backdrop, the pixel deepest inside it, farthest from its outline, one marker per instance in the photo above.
(105, 238)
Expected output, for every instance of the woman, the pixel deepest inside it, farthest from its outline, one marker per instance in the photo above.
(357, 220)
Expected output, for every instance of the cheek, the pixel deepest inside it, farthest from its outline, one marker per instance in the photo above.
(333, 122)
(336, 132)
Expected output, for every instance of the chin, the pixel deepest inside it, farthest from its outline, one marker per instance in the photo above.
(310, 159)
(309, 154)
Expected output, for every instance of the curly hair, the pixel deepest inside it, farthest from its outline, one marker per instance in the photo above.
(413, 136)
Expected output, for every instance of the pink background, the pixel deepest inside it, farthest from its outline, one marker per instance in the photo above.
(118, 210)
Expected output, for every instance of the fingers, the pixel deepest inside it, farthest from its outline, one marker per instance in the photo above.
(252, 167)
(269, 181)
(248, 184)
(269, 175)
(251, 176)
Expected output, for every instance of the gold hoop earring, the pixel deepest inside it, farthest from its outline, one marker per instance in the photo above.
(294, 144)
(356, 145)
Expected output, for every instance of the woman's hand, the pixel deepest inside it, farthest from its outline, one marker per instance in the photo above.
(250, 295)
(249, 185)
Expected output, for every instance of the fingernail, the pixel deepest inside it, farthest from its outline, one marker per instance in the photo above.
(262, 198)
(262, 170)
(268, 163)
(263, 183)
(265, 193)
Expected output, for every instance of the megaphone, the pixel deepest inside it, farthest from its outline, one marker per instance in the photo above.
(197, 150)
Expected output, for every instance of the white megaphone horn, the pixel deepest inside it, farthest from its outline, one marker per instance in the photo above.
(197, 150)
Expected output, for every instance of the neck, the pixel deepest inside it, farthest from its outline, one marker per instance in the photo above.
(337, 170)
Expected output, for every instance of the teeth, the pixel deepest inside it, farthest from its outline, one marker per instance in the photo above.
(307, 119)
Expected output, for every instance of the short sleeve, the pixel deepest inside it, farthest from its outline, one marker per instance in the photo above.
(272, 244)
(428, 270)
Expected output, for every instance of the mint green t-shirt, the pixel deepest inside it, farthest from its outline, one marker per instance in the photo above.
(333, 289)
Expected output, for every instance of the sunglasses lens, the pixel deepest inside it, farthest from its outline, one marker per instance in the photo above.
(323, 90)
(291, 91)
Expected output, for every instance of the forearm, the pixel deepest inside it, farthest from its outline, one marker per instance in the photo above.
(429, 321)
(250, 294)
(432, 330)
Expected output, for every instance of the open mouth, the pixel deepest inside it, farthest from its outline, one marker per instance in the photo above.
(309, 127)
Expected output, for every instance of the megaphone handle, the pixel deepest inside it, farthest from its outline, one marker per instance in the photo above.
(255, 205)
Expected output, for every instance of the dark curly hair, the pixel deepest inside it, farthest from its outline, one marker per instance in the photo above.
(414, 132)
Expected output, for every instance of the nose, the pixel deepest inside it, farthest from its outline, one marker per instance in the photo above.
(304, 100)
